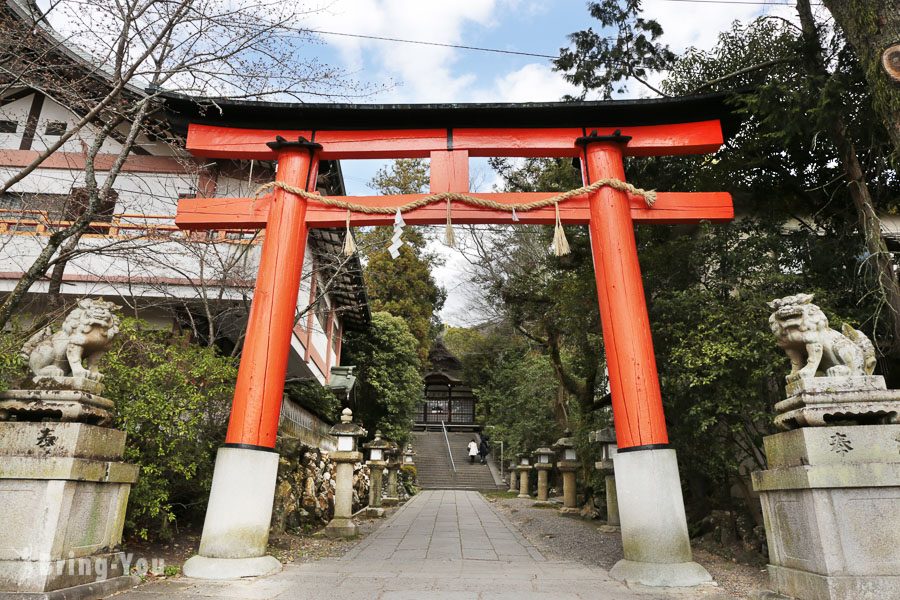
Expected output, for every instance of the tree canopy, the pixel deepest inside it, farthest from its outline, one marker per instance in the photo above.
(403, 286)
(809, 173)
(389, 382)
(873, 28)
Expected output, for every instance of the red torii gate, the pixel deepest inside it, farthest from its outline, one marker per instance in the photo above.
(610, 215)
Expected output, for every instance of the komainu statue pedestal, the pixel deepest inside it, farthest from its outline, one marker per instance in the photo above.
(831, 494)
(70, 405)
(820, 401)
(831, 505)
(63, 489)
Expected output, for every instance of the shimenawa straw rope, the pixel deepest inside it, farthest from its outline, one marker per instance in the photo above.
(560, 243)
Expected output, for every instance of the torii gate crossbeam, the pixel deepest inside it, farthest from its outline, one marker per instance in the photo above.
(652, 513)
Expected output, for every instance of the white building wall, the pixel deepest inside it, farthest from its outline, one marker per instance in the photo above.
(142, 194)
(17, 110)
(154, 266)
(53, 112)
(232, 187)
(311, 327)
(319, 338)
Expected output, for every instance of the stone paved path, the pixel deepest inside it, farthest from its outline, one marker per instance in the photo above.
(446, 525)
(441, 545)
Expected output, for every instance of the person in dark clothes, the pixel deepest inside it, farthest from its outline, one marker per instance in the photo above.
(483, 450)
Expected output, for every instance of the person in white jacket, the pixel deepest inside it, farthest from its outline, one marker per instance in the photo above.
(473, 451)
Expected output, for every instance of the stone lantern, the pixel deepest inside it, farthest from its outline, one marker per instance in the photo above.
(393, 467)
(543, 464)
(607, 440)
(344, 457)
(513, 481)
(408, 456)
(523, 468)
(377, 454)
(567, 463)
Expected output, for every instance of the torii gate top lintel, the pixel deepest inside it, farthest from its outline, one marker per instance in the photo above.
(589, 131)
(249, 114)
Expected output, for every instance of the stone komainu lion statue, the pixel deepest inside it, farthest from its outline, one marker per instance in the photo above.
(84, 336)
(801, 329)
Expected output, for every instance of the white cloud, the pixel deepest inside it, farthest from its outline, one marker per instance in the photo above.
(418, 73)
(426, 73)
(698, 24)
(695, 24)
(453, 277)
(432, 73)
(534, 82)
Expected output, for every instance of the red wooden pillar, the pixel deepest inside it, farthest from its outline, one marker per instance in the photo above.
(329, 351)
(260, 382)
(634, 383)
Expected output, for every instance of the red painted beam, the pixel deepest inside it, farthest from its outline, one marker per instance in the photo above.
(647, 140)
(449, 171)
(223, 213)
(572, 211)
(212, 141)
(243, 213)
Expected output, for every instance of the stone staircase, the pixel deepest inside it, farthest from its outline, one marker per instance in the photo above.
(433, 463)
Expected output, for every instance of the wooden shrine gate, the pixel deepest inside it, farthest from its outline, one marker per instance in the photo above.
(600, 135)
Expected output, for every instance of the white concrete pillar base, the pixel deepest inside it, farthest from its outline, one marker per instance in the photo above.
(686, 574)
(236, 528)
(655, 538)
(202, 567)
(569, 512)
(340, 528)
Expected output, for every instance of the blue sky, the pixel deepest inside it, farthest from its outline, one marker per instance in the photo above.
(413, 73)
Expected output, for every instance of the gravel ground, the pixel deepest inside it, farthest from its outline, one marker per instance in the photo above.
(567, 538)
(580, 540)
(291, 548)
(287, 547)
(736, 578)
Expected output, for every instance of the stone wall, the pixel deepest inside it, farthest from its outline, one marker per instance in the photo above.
(304, 494)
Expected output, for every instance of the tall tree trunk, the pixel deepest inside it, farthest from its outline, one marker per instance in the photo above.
(54, 287)
(879, 257)
(873, 28)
